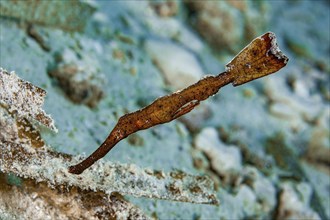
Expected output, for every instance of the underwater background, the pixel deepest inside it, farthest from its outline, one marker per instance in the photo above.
(264, 144)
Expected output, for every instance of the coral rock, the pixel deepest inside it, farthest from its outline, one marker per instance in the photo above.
(262, 187)
(180, 68)
(73, 15)
(81, 79)
(226, 24)
(22, 99)
(225, 160)
(294, 204)
(166, 8)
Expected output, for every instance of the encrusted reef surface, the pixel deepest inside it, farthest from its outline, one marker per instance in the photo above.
(265, 145)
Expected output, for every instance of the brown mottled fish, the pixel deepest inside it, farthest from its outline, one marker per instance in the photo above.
(260, 58)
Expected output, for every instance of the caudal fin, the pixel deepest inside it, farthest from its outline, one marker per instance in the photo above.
(260, 58)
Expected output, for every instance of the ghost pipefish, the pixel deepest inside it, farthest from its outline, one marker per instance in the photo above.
(260, 58)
